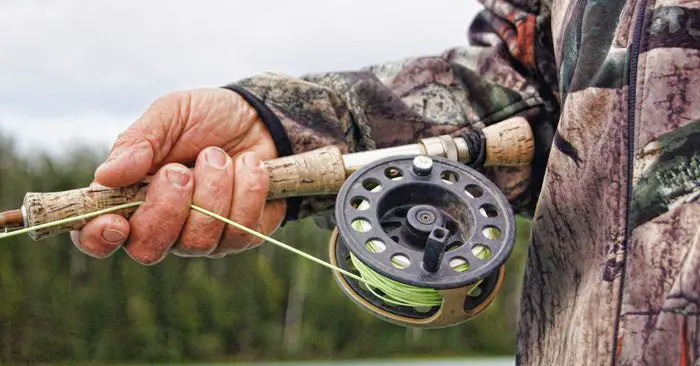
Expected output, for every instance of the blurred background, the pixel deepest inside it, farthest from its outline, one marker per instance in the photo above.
(74, 74)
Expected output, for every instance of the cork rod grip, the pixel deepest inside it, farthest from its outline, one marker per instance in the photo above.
(41, 208)
(315, 172)
(509, 143)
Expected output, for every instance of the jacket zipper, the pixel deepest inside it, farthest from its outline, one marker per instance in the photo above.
(631, 116)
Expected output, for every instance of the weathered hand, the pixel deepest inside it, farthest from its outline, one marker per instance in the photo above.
(222, 137)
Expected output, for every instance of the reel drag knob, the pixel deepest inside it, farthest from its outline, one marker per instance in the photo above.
(427, 225)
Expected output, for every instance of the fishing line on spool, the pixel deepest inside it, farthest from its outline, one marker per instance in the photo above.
(395, 293)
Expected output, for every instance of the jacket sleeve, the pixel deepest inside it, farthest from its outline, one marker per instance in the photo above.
(506, 71)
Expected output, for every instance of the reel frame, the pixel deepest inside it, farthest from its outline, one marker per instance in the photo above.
(419, 185)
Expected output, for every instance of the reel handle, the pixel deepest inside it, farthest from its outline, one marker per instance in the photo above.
(317, 172)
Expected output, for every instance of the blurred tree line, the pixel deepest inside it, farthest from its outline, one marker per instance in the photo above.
(57, 304)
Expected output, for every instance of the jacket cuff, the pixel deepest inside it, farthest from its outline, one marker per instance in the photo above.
(279, 136)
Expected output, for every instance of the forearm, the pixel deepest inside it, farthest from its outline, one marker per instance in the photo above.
(400, 102)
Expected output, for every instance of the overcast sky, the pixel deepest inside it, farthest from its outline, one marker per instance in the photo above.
(82, 71)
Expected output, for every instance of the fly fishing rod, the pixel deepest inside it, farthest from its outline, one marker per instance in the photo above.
(427, 233)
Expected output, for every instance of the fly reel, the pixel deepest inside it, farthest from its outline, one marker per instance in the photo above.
(429, 224)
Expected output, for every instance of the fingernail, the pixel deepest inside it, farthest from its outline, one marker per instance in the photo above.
(178, 176)
(251, 160)
(216, 157)
(112, 235)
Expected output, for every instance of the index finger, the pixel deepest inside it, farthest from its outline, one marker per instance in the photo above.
(145, 143)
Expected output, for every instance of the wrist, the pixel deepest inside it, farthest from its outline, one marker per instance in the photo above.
(269, 119)
(279, 137)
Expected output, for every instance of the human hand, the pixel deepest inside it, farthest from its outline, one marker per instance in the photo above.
(218, 133)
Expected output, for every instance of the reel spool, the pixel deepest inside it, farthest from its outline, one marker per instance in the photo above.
(427, 222)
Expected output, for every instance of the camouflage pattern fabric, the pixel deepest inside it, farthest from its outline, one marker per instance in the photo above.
(611, 90)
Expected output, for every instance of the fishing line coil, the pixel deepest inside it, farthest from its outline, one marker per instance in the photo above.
(429, 234)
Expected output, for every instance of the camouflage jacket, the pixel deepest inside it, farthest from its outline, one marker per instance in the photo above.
(612, 92)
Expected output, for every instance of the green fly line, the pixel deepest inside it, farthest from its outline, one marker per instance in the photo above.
(196, 208)
(388, 290)
(398, 293)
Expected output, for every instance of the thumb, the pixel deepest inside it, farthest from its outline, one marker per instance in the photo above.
(128, 163)
(144, 144)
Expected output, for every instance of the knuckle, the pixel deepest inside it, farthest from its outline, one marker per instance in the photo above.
(236, 241)
(168, 100)
(122, 139)
(166, 116)
(180, 102)
(218, 187)
(91, 246)
(211, 183)
(257, 186)
(195, 246)
(147, 252)
(246, 212)
(256, 180)
(146, 259)
(200, 236)
(95, 250)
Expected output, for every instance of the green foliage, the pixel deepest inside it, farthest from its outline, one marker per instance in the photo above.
(57, 304)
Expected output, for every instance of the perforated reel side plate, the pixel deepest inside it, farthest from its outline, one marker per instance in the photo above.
(459, 191)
